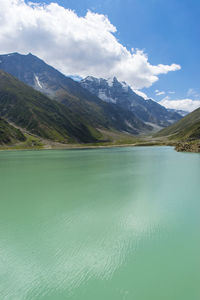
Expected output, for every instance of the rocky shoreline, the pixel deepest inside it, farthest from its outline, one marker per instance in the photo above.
(188, 147)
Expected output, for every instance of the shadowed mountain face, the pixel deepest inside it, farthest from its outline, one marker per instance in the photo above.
(98, 114)
(39, 115)
(119, 93)
(186, 129)
(37, 74)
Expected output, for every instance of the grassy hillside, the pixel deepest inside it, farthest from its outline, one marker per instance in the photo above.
(39, 115)
(9, 134)
(103, 115)
(187, 128)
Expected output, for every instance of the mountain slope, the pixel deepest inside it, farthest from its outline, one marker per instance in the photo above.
(36, 73)
(113, 91)
(186, 129)
(9, 134)
(39, 115)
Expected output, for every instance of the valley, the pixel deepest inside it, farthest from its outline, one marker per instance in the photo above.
(43, 109)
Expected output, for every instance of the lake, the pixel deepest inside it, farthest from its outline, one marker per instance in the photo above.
(101, 224)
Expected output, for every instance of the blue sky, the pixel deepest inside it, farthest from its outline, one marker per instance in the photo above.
(167, 31)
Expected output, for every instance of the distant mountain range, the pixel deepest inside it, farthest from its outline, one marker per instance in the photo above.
(119, 93)
(181, 112)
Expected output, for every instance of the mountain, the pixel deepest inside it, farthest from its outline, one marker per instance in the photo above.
(39, 115)
(9, 134)
(119, 93)
(181, 112)
(36, 73)
(187, 128)
(44, 78)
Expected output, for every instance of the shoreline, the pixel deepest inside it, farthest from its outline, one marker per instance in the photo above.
(187, 147)
(84, 147)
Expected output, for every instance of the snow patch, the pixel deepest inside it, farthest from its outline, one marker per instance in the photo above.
(38, 82)
(155, 127)
(124, 86)
(141, 94)
(104, 97)
(110, 82)
(89, 78)
(129, 124)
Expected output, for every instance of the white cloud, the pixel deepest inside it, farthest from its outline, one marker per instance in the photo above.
(193, 93)
(159, 93)
(74, 45)
(182, 104)
(171, 92)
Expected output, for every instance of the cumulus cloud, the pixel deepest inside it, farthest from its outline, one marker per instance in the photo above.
(182, 104)
(75, 45)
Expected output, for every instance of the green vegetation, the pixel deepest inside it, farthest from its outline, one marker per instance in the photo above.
(37, 114)
(100, 114)
(186, 129)
(185, 133)
(9, 134)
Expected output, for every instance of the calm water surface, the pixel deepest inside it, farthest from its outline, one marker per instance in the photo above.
(107, 224)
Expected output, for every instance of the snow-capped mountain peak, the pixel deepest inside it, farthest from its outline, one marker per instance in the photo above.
(120, 93)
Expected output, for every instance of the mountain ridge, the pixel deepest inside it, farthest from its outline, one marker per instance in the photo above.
(122, 95)
(37, 74)
(33, 111)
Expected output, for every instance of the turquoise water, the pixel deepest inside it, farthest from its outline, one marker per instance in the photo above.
(105, 224)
